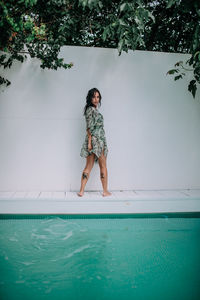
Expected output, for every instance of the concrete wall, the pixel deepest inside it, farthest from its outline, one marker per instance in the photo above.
(152, 123)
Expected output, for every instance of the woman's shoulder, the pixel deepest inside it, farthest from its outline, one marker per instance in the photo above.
(90, 109)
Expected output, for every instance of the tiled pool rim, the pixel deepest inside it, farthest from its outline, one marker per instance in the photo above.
(101, 216)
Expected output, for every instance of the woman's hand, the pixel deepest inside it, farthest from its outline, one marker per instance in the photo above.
(89, 146)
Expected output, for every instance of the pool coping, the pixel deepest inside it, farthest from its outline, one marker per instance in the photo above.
(101, 216)
(93, 203)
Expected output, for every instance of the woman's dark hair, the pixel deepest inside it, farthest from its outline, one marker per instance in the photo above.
(89, 97)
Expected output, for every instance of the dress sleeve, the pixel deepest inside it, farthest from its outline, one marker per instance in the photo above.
(90, 121)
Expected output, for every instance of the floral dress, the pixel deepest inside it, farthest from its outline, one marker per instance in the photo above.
(94, 122)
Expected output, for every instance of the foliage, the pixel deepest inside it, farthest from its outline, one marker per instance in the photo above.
(41, 27)
(25, 28)
(192, 8)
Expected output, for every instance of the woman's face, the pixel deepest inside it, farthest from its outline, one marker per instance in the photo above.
(95, 99)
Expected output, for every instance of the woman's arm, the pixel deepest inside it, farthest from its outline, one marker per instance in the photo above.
(89, 126)
(89, 135)
(89, 140)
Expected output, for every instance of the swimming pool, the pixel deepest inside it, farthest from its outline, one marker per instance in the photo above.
(99, 257)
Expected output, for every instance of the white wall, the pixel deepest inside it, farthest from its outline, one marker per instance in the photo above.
(152, 123)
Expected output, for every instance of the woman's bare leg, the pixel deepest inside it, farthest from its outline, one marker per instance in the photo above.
(104, 174)
(86, 172)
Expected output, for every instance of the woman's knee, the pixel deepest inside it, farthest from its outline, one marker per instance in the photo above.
(102, 157)
(102, 162)
(88, 167)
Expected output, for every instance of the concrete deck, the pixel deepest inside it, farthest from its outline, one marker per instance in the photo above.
(120, 202)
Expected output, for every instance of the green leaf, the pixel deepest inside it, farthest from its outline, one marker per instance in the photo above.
(121, 22)
(192, 87)
(105, 33)
(178, 63)
(123, 7)
(151, 16)
(197, 53)
(170, 3)
(178, 77)
(120, 45)
(170, 72)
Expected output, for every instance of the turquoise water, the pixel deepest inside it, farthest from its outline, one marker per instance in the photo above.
(116, 259)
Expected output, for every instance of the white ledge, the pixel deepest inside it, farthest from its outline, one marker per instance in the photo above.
(120, 202)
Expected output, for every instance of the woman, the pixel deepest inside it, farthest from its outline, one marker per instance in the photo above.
(94, 147)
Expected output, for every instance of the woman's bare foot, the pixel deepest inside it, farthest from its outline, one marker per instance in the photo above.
(106, 193)
(80, 194)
